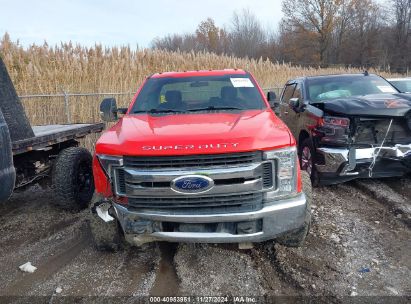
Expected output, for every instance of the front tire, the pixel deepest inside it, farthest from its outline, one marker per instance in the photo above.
(306, 154)
(73, 179)
(297, 237)
(107, 235)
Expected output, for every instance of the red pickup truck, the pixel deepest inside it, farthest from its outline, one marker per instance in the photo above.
(197, 157)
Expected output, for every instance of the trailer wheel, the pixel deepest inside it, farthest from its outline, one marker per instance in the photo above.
(73, 179)
(297, 238)
(107, 234)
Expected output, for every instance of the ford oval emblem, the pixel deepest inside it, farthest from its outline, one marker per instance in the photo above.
(191, 184)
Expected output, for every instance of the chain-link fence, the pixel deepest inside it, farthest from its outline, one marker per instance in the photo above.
(67, 108)
(70, 108)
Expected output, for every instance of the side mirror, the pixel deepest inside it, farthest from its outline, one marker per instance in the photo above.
(271, 96)
(296, 105)
(108, 110)
(122, 110)
(274, 104)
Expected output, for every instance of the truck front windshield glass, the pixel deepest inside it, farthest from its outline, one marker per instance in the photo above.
(191, 94)
(403, 86)
(326, 88)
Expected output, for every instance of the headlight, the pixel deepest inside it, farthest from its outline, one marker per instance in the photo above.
(334, 129)
(108, 162)
(285, 172)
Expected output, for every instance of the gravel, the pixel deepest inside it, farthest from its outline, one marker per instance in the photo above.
(352, 229)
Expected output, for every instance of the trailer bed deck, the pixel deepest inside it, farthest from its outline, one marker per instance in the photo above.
(48, 135)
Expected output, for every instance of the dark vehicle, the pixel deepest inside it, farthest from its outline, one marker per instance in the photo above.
(348, 126)
(402, 84)
(29, 154)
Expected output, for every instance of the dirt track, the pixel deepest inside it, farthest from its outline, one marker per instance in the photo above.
(357, 246)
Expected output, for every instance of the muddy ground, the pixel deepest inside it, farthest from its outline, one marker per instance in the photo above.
(359, 245)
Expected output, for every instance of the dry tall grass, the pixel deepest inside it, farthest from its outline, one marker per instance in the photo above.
(77, 69)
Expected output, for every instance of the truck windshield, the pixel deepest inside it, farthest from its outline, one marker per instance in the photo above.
(196, 94)
(403, 85)
(326, 88)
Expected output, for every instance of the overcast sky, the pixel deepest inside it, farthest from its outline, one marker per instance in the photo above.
(121, 22)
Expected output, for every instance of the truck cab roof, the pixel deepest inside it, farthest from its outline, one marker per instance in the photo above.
(302, 78)
(199, 73)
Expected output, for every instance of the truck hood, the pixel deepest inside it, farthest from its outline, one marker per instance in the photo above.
(185, 134)
(388, 105)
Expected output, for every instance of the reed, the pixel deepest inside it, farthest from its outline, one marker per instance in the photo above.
(44, 69)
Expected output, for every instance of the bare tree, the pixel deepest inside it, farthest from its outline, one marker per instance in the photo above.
(349, 32)
(364, 26)
(402, 15)
(247, 34)
(313, 16)
(212, 38)
(175, 42)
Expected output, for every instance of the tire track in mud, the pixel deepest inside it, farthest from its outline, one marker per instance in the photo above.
(93, 274)
(46, 239)
(32, 243)
(217, 270)
(29, 199)
(15, 242)
(24, 282)
(393, 194)
(140, 270)
(345, 237)
(402, 186)
(355, 247)
(167, 281)
(274, 280)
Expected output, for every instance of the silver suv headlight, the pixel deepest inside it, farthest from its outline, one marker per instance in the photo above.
(285, 161)
(108, 162)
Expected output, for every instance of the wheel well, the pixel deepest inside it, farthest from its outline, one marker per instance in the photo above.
(26, 164)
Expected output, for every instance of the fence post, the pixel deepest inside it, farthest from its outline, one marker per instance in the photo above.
(67, 106)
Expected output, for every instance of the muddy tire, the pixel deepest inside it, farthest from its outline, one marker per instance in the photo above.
(306, 155)
(107, 236)
(73, 179)
(297, 237)
(7, 171)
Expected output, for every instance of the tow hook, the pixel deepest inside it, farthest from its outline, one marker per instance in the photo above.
(102, 211)
(245, 245)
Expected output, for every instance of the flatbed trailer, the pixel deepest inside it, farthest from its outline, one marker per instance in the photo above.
(29, 154)
(48, 135)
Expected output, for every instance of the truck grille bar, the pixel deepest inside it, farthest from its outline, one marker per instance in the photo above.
(193, 161)
(245, 202)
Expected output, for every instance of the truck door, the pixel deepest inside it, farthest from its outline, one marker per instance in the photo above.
(284, 103)
(293, 115)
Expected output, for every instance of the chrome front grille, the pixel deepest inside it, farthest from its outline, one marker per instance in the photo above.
(240, 179)
(223, 203)
(193, 161)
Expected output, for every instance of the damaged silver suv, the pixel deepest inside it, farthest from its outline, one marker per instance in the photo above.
(348, 126)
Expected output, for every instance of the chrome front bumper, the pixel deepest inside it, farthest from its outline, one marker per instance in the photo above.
(276, 218)
(344, 161)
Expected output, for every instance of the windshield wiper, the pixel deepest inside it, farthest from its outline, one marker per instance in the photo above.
(157, 111)
(212, 108)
